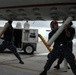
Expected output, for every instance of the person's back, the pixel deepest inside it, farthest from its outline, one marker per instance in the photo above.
(60, 48)
(27, 25)
(70, 44)
(8, 35)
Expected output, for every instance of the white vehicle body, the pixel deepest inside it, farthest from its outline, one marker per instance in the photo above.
(26, 39)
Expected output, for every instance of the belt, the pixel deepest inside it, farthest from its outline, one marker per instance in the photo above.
(61, 44)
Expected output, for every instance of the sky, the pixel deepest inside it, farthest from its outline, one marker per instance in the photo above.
(42, 27)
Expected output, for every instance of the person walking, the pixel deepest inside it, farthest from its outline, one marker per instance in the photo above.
(70, 44)
(60, 48)
(7, 33)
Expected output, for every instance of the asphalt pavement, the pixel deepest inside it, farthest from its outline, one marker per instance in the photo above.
(33, 64)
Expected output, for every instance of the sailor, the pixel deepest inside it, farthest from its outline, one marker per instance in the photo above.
(7, 33)
(60, 48)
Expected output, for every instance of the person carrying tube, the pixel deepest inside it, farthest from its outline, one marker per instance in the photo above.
(7, 33)
(70, 45)
(60, 47)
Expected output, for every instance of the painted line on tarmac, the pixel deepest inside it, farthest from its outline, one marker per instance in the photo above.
(14, 66)
(29, 69)
(42, 54)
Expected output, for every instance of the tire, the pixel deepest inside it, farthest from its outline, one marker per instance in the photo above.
(29, 49)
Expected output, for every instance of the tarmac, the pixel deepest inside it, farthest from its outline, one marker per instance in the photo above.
(33, 64)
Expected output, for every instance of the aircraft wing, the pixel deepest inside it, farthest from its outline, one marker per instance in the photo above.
(37, 9)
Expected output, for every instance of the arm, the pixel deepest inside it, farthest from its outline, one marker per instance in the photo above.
(4, 29)
(72, 33)
(50, 35)
(67, 33)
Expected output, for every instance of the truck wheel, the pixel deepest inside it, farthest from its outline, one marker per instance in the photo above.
(29, 49)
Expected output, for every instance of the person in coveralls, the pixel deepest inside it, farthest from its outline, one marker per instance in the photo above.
(7, 33)
(60, 47)
(70, 44)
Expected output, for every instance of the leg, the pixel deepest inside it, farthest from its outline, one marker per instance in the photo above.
(70, 59)
(51, 58)
(3, 46)
(60, 59)
(14, 51)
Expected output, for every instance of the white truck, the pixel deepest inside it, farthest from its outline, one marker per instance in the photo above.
(26, 39)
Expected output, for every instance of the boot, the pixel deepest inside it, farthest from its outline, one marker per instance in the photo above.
(68, 67)
(57, 67)
(21, 62)
(43, 73)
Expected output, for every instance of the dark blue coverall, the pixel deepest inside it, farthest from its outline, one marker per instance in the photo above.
(60, 48)
(7, 43)
(70, 44)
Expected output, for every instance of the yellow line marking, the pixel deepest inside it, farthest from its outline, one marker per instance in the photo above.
(21, 67)
(26, 68)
